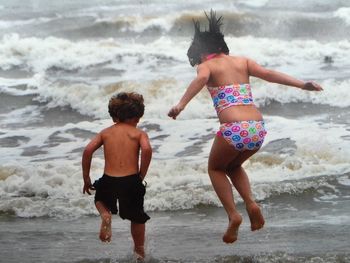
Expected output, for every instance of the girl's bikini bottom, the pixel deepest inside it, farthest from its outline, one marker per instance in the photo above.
(243, 135)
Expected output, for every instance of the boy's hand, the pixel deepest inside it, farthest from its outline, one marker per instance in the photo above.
(87, 187)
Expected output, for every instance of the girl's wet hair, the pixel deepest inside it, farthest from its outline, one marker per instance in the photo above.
(207, 42)
(124, 106)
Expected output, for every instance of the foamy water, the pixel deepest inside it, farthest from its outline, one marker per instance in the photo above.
(56, 78)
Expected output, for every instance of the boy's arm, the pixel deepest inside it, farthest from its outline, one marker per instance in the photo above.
(258, 71)
(89, 150)
(203, 74)
(146, 154)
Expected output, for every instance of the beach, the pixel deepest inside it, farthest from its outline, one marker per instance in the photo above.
(60, 62)
(183, 236)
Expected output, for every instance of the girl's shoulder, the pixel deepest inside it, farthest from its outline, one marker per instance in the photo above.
(239, 58)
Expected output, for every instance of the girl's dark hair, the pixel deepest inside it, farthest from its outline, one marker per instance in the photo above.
(207, 42)
(124, 106)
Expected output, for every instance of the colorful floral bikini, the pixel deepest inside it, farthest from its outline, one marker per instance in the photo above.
(242, 135)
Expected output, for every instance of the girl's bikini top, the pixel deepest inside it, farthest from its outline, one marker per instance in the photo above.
(231, 95)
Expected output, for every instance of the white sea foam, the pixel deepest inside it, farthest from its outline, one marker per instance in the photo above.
(343, 13)
(26, 115)
(158, 65)
(4, 24)
(303, 58)
(161, 94)
(335, 94)
(254, 3)
(8, 85)
(138, 23)
(50, 182)
(345, 181)
(319, 150)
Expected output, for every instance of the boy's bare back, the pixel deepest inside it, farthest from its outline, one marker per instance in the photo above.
(121, 143)
(121, 146)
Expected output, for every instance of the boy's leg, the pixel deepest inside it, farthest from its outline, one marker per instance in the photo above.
(106, 222)
(220, 156)
(241, 182)
(138, 235)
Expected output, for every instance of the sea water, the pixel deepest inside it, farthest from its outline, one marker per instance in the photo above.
(60, 62)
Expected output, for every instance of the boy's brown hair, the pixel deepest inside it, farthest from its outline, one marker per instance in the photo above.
(124, 106)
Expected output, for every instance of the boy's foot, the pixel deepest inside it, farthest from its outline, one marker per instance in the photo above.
(139, 254)
(106, 228)
(232, 230)
(256, 218)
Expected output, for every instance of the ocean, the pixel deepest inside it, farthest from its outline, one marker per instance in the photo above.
(60, 62)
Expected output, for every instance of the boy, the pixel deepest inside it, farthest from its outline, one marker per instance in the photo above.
(122, 178)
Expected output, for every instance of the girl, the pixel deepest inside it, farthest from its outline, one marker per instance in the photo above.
(242, 128)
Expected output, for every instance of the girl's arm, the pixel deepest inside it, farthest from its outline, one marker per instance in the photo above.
(258, 71)
(203, 74)
(146, 154)
(89, 150)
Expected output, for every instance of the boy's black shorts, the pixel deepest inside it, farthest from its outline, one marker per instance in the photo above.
(128, 190)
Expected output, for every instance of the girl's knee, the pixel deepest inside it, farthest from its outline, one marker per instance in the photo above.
(214, 168)
(233, 166)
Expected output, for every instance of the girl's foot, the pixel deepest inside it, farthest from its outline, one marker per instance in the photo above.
(232, 230)
(256, 218)
(106, 228)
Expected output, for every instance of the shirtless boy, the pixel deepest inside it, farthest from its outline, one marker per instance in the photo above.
(123, 171)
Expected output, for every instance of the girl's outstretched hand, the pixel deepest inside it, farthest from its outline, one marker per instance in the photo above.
(175, 111)
(312, 86)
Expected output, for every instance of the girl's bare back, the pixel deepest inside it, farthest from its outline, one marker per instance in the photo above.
(227, 70)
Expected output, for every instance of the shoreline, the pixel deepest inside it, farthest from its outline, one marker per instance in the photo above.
(180, 236)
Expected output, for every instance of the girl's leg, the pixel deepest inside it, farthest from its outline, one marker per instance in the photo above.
(220, 156)
(106, 222)
(241, 182)
(239, 177)
(138, 235)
